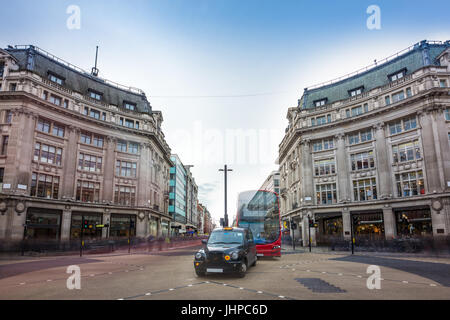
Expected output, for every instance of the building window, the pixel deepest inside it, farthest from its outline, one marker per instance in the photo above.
(104, 116)
(356, 111)
(442, 83)
(44, 186)
(98, 141)
(325, 144)
(403, 125)
(89, 163)
(8, 116)
(321, 102)
(398, 96)
(55, 79)
(324, 167)
(94, 114)
(447, 114)
(47, 154)
(66, 103)
(45, 95)
(55, 100)
(326, 193)
(397, 75)
(408, 92)
(5, 140)
(387, 100)
(58, 130)
(95, 95)
(410, 184)
(2, 69)
(136, 125)
(88, 191)
(129, 106)
(363, 160)
(44, 125)
(133, 147)
(124, 195)
(129, 123)
(365, 189)
(121, 146)
(359, 137)
(355, 92)
(89, 138)
(126, 169)
(13, 87)
(406, 151)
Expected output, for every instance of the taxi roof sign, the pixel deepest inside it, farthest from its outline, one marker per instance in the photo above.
(228, 228)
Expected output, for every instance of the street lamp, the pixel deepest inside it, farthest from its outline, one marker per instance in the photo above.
(225, 170)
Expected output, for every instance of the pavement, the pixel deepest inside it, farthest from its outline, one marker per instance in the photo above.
(170, 275)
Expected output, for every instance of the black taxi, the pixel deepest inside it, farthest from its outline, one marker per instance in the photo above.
(227, 250)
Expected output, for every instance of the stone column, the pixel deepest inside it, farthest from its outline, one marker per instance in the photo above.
(17, 216)
(144, 176)
(65, 224)
(432, 164)
(307, 181)
(382, 162)
(70, 163)
(141, 224)
(159, 231)
(342, 169)
(390, 227)
(3, 219)
(106, 220)
(109, 169)
(305, 226)
(440, 209)
(346, 224)
(443, 146)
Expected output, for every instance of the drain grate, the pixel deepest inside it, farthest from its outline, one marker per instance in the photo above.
(318, 285)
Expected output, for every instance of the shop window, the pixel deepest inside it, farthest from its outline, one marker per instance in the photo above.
(122, 226)
(368, 225)
(414, 222)
(91, 232)
(44, 224)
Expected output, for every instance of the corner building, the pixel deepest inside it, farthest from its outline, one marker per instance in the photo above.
(75, 146)
(372, 149)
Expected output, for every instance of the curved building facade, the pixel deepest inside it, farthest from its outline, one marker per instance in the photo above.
(77, 147)
(372, 151)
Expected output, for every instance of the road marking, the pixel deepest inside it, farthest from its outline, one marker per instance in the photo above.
(49, 280)
(189, 285)
(432, 285)
(359, 276)
(241, 288)
(171, 289)
(22, 283)
(109, 272)
(339, 274)
(92, 275)
(148, 294)
(405, 281)
(224, 284)
(120, 299)
(259, 292)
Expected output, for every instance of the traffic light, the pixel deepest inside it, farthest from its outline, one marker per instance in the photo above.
(131, 224)
(85, 224)
(293, 225)
(356, 220)
(311, 223)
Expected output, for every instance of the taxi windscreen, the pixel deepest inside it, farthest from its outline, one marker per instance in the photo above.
(226, 237)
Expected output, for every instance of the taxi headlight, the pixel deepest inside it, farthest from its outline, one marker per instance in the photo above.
(234, 255)
(198, 255)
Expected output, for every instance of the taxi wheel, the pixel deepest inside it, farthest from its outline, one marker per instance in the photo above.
(243, 269)
(200, 274)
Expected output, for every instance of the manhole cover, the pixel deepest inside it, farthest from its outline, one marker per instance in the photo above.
(318, 285)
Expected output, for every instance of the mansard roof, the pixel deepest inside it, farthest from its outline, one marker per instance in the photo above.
(410, 60)
(42, 63)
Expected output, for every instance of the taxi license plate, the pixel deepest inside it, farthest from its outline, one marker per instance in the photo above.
(214, 270)
(260, 255)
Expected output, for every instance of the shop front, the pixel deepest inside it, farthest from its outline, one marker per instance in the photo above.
(165, 228)
(330, 227)
(89, 219)
(415, 222)
(368, 225)
(43, 224)
(122, 225)
(153, 226)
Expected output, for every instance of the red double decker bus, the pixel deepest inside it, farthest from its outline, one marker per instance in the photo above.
(260, 212)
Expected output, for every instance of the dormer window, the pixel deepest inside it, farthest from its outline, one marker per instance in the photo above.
(397, 75)
(95, 95)
(321, 102)
(129, 106)
(356, 91)
(55, 78)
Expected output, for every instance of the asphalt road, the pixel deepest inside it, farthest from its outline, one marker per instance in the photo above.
(170, 275)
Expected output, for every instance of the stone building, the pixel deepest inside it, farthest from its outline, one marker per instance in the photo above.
(371, 150)
(272, 182)
(177, 195)
(191, 202)
(77, 147)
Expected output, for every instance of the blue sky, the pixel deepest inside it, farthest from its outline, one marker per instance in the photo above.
(217, 65)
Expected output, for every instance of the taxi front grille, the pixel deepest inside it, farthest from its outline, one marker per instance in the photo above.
(215, 257)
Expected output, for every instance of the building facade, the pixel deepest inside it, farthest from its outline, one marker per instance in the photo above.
(178, 195)
(77, 147)
(191, 202)
(372, 152)
(272, 183)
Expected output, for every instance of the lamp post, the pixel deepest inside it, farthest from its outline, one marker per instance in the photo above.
(225, 170)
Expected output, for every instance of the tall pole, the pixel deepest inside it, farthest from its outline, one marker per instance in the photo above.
(225, 170)
(351, 231)
(309, 233)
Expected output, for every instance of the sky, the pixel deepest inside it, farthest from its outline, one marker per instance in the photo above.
(223, 72)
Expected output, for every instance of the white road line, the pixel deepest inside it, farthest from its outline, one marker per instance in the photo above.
(281, 297)
(339, 274)
(359, 276)
(22, 283)
(120, 299)
(49, 280)
(171, 289)
(259, 292)
(148, 294)
(241, 288)
(405, 281)
(432, 285)
(189, 285)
